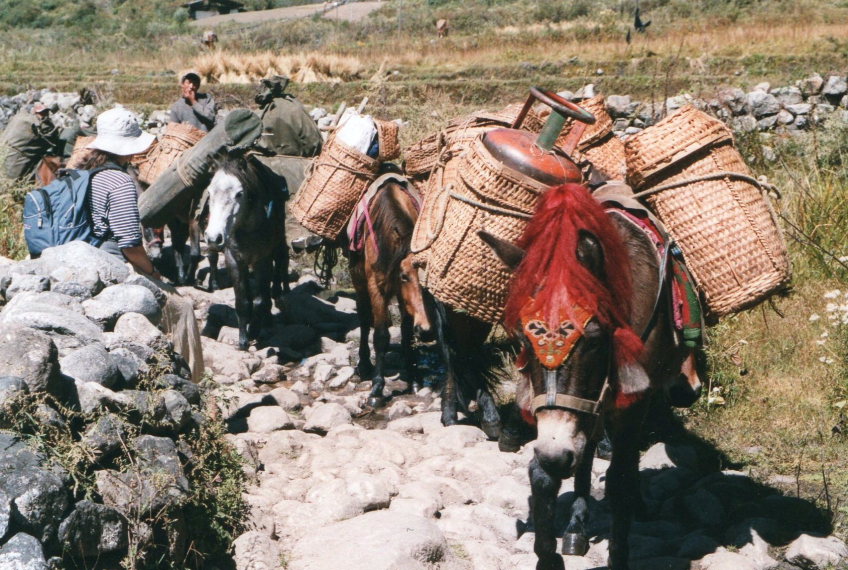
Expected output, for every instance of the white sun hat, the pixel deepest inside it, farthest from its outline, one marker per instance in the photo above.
(119, 133)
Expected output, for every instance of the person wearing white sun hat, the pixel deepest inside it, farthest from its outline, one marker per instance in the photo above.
(113, 203)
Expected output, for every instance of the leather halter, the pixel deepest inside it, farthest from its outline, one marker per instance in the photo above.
(553, 346)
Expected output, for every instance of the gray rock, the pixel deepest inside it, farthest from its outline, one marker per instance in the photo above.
(632, 130)
(76, 290)
(58, 322)
(93, 530)
(22, 552)
(85, 281)
(49, 417)
(93, 397)
(130, 366)
(27, 283)
(816, 552)
(835, 87)
(79, 257)
(269, 374)
(325, 417)
(32, 356)
(286, 399)
(734, 99)
(674, 103)
(134, 491)
(784, 117)
(788, 95)
(618, 106)
(189, 390)
(764, 86)
(147, 283)
(767, 123)
(762, 104)
(158, 455)
(724, 560)
(37, 493)
(117, 300)
(106, 436)
(11, 388)
(801, 122)
(697, 545)
(5, 512)
(137, 328)
(91, 363)
(585, 92)
(799, 109)
(166, 412)
(352, 544)
(744, 124)
(811, 85)
(267, 419)
(256, 551)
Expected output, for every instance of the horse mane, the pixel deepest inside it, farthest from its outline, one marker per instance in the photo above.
(243, 168)
(387, 213)
(551, 277)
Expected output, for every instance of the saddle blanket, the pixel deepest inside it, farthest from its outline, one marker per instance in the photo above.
(361, 216)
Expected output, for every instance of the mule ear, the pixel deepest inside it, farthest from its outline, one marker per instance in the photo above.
(591, 254)
(510, 254)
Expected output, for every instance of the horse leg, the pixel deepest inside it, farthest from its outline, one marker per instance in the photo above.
(280, 282)
(544, 490)
(380, 315)
(194, 250)
(212, 256)
(575, 541)
(449, 413)
(406, 336)
(490, 421)
(179, 238)
(622, 486)
(244, 297)
(262, 313)
(366, 320)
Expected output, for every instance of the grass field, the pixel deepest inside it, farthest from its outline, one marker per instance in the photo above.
(779, 386)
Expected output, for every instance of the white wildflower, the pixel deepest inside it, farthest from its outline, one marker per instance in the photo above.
(814, 317)
(825, 334)
(832, 294)
(826, 360)
(821, 342)
(831, 307)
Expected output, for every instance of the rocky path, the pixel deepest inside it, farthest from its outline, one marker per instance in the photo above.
(336, 486)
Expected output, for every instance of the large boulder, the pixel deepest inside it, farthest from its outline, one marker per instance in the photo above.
(91, 363)
(380, 540)
(36, 491)
(118, 300)
(64, 324)
(22, 552)
(762, 104)
(136, 327)
(77, 258)
(32, 356)
(26, 284)
(92, 530)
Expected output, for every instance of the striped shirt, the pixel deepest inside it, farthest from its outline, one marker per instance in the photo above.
(114, 208)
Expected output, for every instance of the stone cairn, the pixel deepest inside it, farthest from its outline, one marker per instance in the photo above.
(80, 353)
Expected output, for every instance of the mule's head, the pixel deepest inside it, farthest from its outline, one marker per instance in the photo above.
(415, 300)
(227, 199)
(569, 312)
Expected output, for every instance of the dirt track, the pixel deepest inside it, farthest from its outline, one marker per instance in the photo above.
(350, 12)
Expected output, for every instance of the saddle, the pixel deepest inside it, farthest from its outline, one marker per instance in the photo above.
(360, 217)
(673, 275)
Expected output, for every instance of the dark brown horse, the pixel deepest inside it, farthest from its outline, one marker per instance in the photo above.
(382, 269)
(581, 302)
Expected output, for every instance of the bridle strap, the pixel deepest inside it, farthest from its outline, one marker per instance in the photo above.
(570, 403)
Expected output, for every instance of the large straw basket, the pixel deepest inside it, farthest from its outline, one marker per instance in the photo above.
(697, 183)
(178, 138)
(422, 156)
(482, 194)
(80, 153)
(388, 142)
(335, 182)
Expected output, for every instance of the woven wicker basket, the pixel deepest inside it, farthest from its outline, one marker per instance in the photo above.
(421, 157)
(335, 182)
(79, 154)
(387, 135)
(718, 215)
(476, 193)
(178, 138)
(598, 144)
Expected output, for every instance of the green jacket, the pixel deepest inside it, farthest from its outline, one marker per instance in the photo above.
(287, 129)
(25, 142)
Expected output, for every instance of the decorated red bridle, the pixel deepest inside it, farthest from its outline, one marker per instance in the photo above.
(552, 346)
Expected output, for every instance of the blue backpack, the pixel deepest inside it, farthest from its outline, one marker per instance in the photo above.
(59, 213)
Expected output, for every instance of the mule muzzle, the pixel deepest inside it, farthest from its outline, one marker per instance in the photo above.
(559, 463)
(215, 242)
(424, 333)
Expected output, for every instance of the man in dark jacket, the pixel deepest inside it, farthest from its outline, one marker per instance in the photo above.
(196, 109)
(29, 137)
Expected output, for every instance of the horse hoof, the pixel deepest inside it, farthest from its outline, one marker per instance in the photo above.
(509, 442)
(376, 401)
(575, 544)
(491, 429)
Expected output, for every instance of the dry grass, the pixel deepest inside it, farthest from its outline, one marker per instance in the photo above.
(224, 67)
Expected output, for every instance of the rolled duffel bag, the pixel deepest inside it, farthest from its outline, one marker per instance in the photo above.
(337, 179)
(477, 193)
(687, 168)
(185, 177)
(178, 138)
(293, 168)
